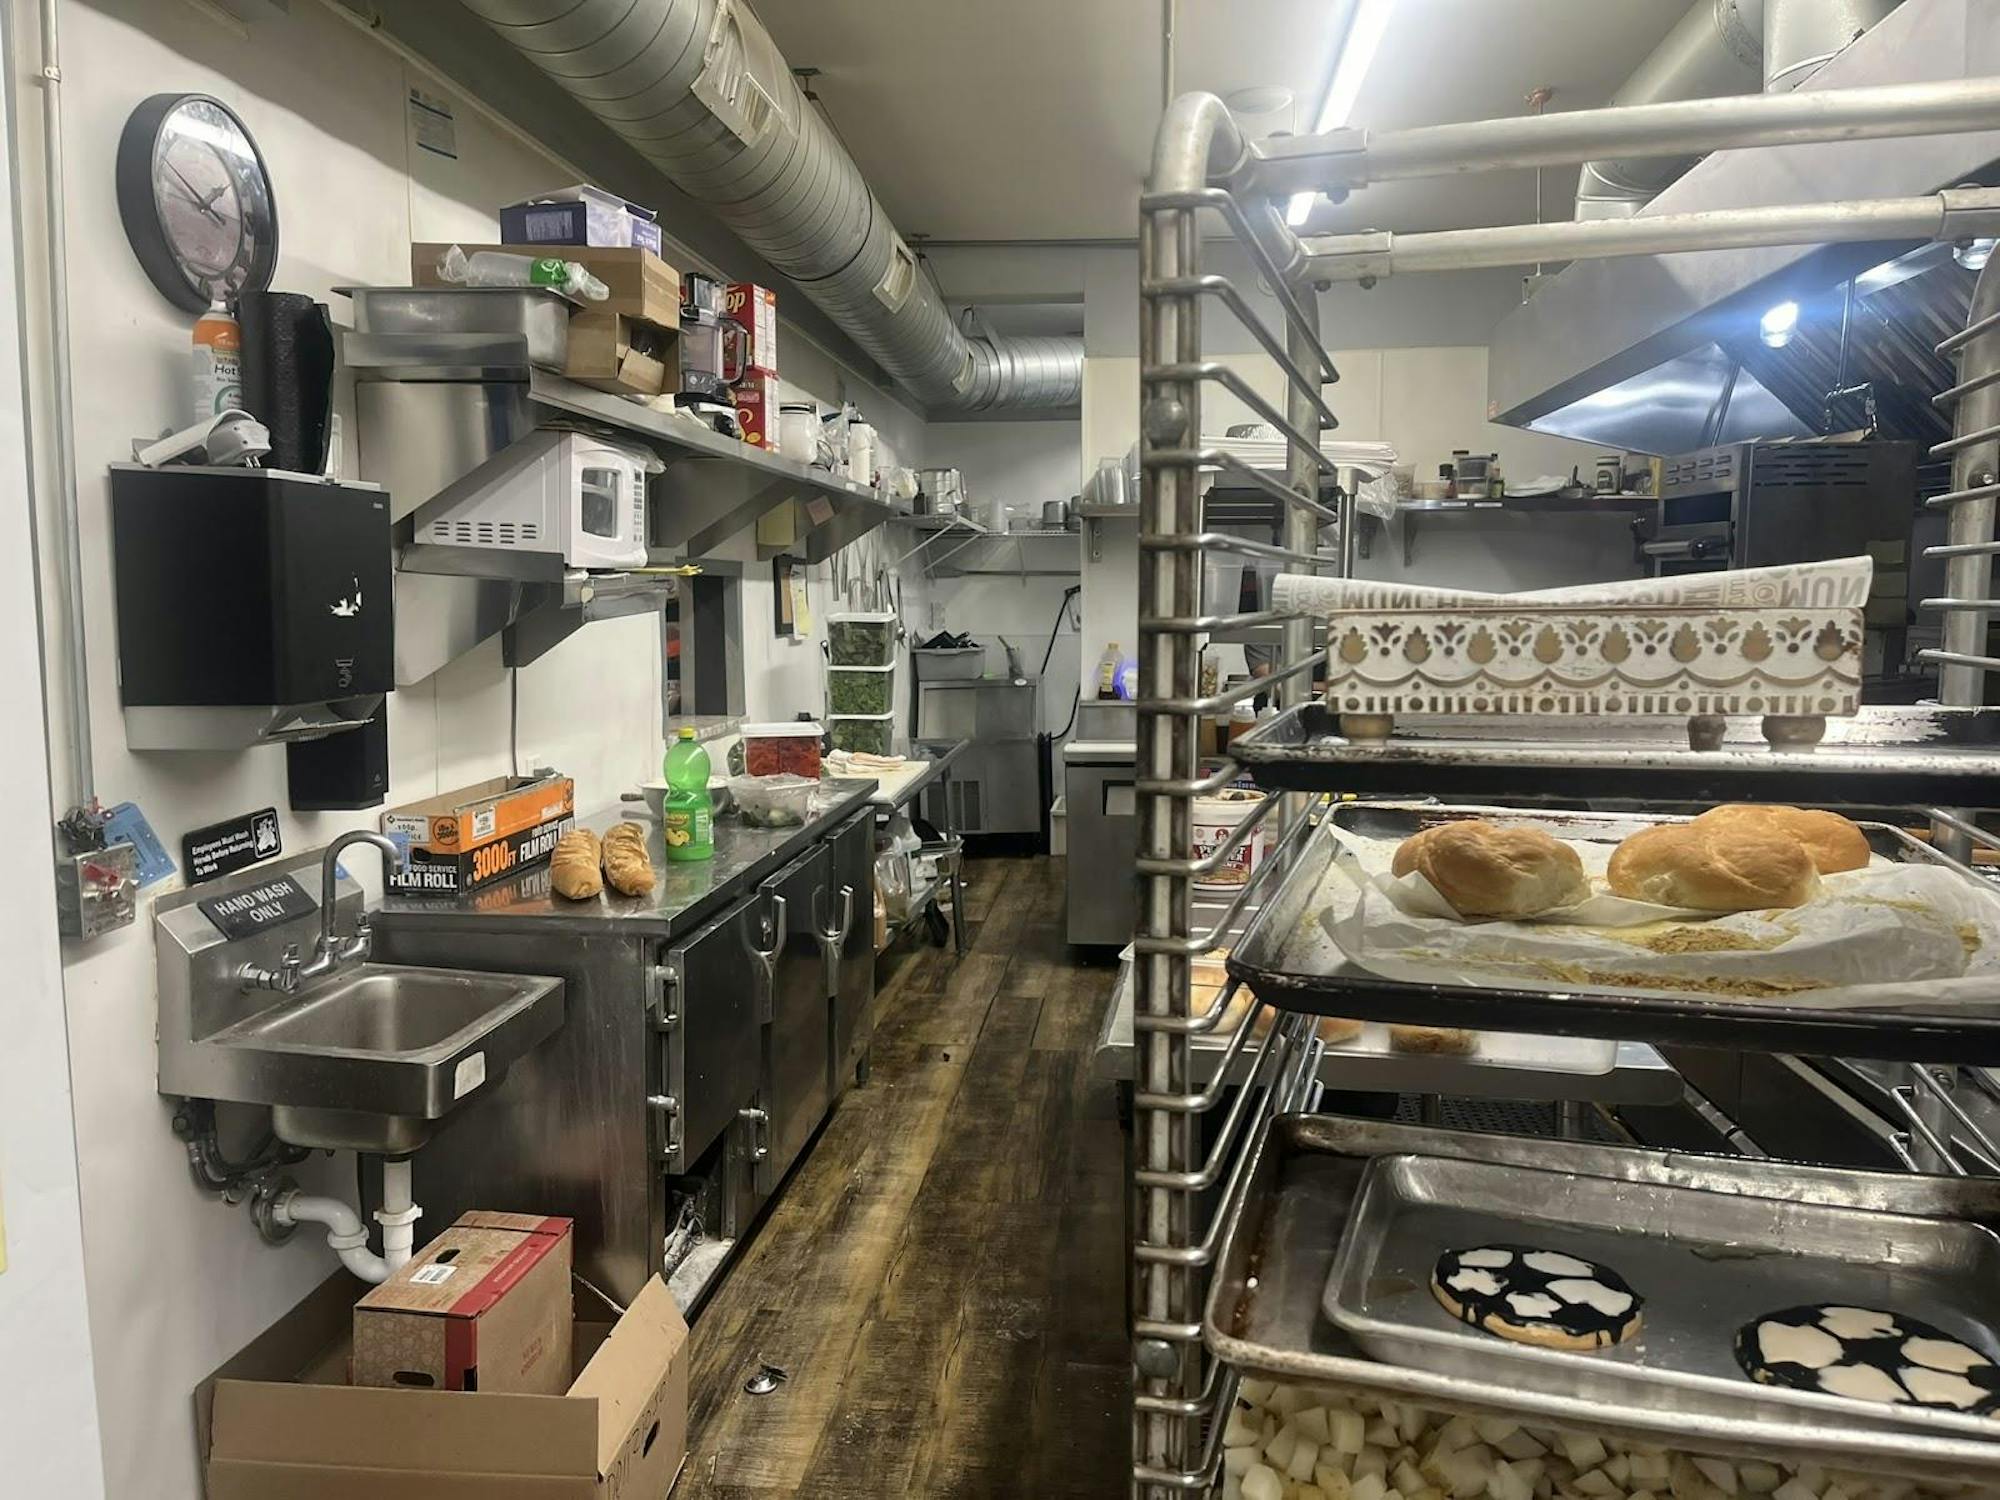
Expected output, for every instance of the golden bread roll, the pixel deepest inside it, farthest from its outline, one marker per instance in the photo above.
(1835, 843)
(1451, 1041)
(1715, 868)
(1485, 870)
(1332, 1030)
(628, 868)
(573, 870)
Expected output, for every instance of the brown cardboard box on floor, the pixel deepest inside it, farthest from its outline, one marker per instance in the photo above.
(483, 1307)
(280, 1420)
(642, 285)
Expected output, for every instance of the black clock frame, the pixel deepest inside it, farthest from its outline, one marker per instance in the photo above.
(140, 214)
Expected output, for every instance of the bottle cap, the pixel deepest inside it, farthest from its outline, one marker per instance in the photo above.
(686, 733)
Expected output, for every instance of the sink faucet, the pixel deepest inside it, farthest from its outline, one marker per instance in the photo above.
(329, 952)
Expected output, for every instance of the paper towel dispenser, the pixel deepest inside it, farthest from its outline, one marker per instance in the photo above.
(254, 605)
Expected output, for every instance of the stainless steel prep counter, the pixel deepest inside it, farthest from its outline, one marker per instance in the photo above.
(710, 1026)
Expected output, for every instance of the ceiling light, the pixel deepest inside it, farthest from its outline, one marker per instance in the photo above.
(1972, 254)
(1366, 21)
(1777, 326)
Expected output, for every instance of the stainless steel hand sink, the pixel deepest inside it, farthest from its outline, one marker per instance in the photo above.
(347, 1053)
(374, 1056)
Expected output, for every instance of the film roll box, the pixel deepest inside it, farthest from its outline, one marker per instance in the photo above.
(465, 839)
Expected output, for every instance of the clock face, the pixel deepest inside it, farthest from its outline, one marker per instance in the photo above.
(196, 200)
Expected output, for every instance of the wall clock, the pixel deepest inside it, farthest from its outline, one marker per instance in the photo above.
(196, 200)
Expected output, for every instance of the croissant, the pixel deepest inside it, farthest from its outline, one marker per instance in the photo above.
(626, 863)
(573, 867)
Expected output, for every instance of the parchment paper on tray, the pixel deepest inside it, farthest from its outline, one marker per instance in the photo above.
(1892, 934)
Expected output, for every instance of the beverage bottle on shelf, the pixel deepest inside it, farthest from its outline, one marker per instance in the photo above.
(687, 823)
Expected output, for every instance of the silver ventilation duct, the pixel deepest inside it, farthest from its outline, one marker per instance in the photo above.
(1802, 36)
(699, 89)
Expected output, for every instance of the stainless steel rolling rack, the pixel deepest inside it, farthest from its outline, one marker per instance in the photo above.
(1189, 1191)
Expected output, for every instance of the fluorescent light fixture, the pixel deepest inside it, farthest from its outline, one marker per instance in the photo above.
(1365, 24)
(1973, 254)
(1777, 326)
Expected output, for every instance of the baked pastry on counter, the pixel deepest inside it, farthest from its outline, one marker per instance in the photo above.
(1722, 867)
(1441, 1041)
(1835, 843)
(1485, 870)
(627, 866)
(573, 868)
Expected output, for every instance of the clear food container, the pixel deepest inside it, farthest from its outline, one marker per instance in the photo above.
(783, 749)
(773, 801)
(860, 690)
(862, 638)
(870, 734)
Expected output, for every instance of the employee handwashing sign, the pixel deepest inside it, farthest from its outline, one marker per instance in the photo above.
(249, 911)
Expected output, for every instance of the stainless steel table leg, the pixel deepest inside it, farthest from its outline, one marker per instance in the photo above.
(957, 869)
(1569, 1119)
(1430, 1108)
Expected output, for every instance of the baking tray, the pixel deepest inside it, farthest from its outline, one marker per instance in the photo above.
(1263, 1313)
(1706, 1261)
(1883, 756)
(465, 318)
(1288, 959)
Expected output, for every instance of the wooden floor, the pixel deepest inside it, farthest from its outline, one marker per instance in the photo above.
(942, 1277)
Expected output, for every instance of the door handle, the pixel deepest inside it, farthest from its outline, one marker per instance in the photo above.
(760, 1125)
(832, 939)
(767, 958)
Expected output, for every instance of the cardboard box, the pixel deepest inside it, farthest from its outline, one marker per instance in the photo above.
(757, 409)
(483, 1307)
(642, 285)
(468, 838)
(280, 1418)
(615, 353)
(755, 310)
(580, 215)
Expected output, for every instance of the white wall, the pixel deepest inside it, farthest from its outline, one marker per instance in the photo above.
(178, 1281)
(48, 1404)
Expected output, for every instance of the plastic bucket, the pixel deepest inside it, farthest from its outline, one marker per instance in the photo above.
(1215, 819)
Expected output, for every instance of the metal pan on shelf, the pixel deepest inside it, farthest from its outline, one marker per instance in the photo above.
(1883, 756)
(1277, 1250)
(1708, 1253)
(1287, 960)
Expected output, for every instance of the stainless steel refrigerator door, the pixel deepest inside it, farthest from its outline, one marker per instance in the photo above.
(848, 926)
(710, 1052)
(797, 1036)
(1103, 842)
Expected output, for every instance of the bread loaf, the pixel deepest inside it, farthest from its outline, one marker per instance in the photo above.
(1485, 870)
(1834, 843)
(573, 871)
(627, 866)
(1445, 1041)
(1718, 868)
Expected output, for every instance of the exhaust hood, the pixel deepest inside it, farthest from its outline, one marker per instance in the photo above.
(1663, 354)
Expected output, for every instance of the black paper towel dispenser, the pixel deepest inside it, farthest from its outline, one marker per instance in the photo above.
(254, 606)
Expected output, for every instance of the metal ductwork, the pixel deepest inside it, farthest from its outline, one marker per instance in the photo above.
(1802, 36)
(699, 89)
(1713, 50)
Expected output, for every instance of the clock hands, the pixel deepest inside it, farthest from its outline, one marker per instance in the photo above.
(207, 204)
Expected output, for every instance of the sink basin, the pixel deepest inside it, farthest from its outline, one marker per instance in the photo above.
(373, 1057)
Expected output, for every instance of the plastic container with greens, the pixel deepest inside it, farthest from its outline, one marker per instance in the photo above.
(870, 734)
(862, 639)
(860, 690)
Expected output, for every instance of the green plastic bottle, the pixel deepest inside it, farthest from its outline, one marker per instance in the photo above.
(688, 824)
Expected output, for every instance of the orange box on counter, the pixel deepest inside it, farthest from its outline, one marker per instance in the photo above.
(757, 408)
(483, 1307)
(755, 309)
(464, 839)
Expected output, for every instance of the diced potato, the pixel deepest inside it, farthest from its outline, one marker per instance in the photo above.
(1642, 1495)
(1618, 1468)
(1239, 1461)
(1262, 1483)
(1314, 1423)
(1758, 1478)
(1406, 1477)
(1454, 1435)
(1652, 1469)
(1348, 1431)
(1278, 1452)
(1308, 1492)
(1304, 1456)
(1494, 1430)
(1837, 1491)
(1382, 1433)
(1332, 1483)
(1520, 1443)
(1719, 1472)
(1242, 1430)
(1256, 1392)
(1596, 1482)
(1267, 1429)
(1286, 1399)
(1795, 1488)
(1370, 1464)
(1232, 1487)
(1584, 1452)
(1368, 1487)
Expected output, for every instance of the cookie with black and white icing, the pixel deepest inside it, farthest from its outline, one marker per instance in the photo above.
(1868, 1355)
(1536, 1296)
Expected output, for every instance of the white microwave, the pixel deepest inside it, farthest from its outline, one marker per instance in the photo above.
(567, 493)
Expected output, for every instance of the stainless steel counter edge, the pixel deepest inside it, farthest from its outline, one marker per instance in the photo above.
(688, 892)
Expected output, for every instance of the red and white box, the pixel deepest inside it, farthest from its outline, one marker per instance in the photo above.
(756, 309)
(757, 408)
